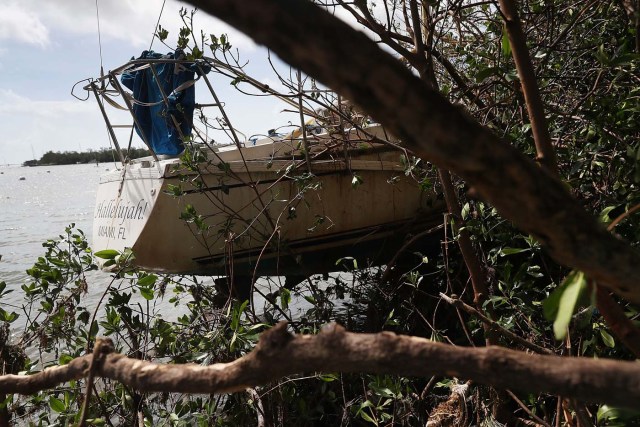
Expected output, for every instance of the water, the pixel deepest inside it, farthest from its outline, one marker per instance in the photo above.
(39, 208)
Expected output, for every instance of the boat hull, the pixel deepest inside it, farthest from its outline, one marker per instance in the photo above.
(261, 218)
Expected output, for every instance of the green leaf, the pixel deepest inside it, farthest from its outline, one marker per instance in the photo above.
(285, 298)
(367, 418)
(363, 414)
(64, 359)
(607, 339)
(328, 377)
(486, 72)
(256, 326)
(343, 261)
(506, 46)
(148, 280)
(93, 331)
(5, 316)
(173, 190)
(567, 295)
(56, 405)
(604, 214)
(602, 56)
(107, 254)
(162, 33)
(233, 341)
(390, 320)
(147, 293)
(550, 304)
(196, 53)
(610, 413)
(512, 251)
(465, 211)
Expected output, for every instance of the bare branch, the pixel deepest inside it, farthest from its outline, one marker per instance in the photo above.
(279, 354)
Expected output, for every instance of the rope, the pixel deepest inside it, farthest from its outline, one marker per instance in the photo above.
(102, 75)
(157, 23)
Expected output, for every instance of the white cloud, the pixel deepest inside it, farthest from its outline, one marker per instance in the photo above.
(35, 107)
(20, 23)
(35, 21)
(43, 126)
(14, 104)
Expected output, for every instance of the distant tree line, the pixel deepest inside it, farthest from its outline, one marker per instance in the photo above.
(73, 157)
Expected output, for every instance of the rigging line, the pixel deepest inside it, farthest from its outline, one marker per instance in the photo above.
(157, 23)
(99, 38)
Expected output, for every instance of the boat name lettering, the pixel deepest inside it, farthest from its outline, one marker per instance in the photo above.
(122, 210)
(112, 232)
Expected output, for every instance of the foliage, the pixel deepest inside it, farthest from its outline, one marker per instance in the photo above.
(587, 72)
(133, 312)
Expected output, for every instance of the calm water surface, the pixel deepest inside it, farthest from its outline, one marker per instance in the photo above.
(39, 208)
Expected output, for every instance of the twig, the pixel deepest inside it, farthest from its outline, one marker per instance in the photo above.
(427, 389)
(582, 415)
(622, 217)
(458, 303)
(258, 404)
(527, 410)
(101, 348)
(392, 263)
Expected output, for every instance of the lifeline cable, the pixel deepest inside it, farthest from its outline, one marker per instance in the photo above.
(99, 38)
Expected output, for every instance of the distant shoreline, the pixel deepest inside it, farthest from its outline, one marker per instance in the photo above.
(103, 155)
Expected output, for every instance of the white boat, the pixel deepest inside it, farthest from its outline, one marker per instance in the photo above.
(281, 205)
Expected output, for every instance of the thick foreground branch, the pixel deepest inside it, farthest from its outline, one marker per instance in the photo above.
(280, 354)
(329, 50)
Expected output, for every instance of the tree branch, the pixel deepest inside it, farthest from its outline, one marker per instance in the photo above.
(621, 326)
(279, 354)
(535, 107)
(350, 63)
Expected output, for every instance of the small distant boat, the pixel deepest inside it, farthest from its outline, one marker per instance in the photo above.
(284, 204)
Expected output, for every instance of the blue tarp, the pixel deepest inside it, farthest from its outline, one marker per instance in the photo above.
(156, 123)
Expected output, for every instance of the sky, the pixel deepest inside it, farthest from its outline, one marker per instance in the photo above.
(48, 46)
